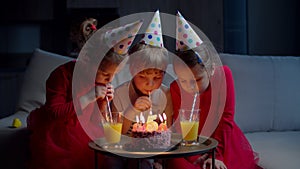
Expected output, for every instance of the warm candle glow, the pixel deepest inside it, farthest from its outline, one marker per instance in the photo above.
(142, 118)
(165, 116)
(160, 118)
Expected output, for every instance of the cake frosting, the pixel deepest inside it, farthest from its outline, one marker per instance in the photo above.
(150, 136)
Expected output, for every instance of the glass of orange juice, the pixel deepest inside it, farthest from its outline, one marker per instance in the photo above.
(112, 125)
(189, 123)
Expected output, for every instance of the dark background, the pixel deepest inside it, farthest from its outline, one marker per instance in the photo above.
(261, 27)
(254, 27)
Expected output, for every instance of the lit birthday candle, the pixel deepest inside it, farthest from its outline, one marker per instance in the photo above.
(142, 118)
(165, 118)
(137, 119)
(161, 118)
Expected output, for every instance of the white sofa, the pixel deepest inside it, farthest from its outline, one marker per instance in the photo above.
(267, 106)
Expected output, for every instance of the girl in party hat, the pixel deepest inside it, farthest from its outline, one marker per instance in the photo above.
(61, 129)
(144, 92)
(210, 87)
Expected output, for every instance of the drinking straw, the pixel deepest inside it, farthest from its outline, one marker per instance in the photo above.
(109, 110)
(193, 106)
(151, 104)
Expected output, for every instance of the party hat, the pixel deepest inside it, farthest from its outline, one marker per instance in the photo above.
(186, 37)
(153, 34)
(121, 38)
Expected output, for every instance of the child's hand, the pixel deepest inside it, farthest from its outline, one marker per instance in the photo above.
(157, 165)
(218, 164)
(110, 91)
(207, 162)
(201, 159)
(100, 91)
(142, 103)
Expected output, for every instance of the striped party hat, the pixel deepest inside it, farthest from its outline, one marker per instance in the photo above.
(153, 34)
(121, 38)
(186, 37)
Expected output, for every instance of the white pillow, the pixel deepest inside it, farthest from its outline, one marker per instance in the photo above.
(287, 93)
(42, 63)
(254, 90)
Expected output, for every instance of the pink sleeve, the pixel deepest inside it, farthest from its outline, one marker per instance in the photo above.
(224, 130)
(59, 102)
(175, 94)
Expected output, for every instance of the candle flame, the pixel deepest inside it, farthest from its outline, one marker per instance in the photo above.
(160, 118)
(142, 118)
(165, 116)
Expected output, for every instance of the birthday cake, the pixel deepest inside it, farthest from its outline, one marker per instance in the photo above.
(150, 136)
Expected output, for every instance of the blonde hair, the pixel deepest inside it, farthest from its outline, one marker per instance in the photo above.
(144, 57)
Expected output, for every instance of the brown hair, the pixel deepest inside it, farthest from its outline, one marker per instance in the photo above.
(200, 55)
(113, 58)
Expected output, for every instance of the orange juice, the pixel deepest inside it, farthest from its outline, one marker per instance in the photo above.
(112, 132)
(189, 130)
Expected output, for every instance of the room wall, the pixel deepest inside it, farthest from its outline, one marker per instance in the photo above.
(268, 27)
(273, 27)
(206, 15)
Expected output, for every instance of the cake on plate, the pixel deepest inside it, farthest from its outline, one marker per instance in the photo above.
(150, 136)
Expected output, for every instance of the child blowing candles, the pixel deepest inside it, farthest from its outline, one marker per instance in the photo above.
(59, 132)
(195, 70)
(147, 64)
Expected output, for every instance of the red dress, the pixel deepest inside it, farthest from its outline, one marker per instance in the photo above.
(233, 148)
(57, 138)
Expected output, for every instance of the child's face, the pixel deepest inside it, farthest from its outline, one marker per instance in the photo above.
(148, 80)
(106, 75)
(194, 79)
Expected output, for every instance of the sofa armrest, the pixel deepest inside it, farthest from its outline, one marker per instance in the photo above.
(14, 142)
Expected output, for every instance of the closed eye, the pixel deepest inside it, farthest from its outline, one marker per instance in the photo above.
(157, 78)
(142, 76)
(182, 81)
(105, 74)
(199, 79)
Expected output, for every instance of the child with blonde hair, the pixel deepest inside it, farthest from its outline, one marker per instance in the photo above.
(144, 93)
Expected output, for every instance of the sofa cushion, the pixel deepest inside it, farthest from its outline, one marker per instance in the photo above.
(6, 123)
(267, 91)
(287, 90)
(276, 150)
(254, 90)
(33, 90)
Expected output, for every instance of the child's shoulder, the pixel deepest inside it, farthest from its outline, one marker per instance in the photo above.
(165, 88)
(174, 84)
(122, 85)
(226, 68)
(227, 71)
(63, 70)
